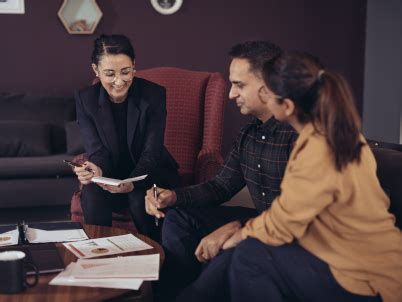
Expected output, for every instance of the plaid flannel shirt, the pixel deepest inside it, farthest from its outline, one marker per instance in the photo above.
(258, 159)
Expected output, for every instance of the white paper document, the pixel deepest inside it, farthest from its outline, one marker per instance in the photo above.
(107, 246)
(144, 267)
(116, 182)
(40, 236)
(67, 278)
(9, 238)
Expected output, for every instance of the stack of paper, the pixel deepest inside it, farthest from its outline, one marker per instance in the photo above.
(144, 267)
(107, 246)
(119, 272)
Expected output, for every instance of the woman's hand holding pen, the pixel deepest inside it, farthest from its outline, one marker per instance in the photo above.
(87, 171)
(165, 198)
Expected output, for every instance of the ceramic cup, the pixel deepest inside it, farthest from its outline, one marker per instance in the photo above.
(13, 277)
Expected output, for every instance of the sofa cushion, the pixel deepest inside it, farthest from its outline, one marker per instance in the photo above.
(55, 110)
(75, 144)
(389, 172)
(36, 192)
(24, 138)
(32, 167)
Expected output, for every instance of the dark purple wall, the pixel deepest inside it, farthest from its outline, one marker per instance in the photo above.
(39, 56)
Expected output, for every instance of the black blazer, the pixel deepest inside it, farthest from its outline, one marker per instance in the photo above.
(146, 120)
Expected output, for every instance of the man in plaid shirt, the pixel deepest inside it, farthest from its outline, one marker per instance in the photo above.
(195, 230)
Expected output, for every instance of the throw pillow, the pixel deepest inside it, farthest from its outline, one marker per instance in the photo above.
(75, 144)
(24, 138)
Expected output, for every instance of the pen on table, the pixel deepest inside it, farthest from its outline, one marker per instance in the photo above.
(155, 190)
(115, 244)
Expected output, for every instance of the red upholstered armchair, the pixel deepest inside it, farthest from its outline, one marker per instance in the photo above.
(194, 128)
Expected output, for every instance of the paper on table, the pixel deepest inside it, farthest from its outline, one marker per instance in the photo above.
(40, 236)
(66, 278)
(143, 267)
(9, 238)
(116, 182)
(107, 246)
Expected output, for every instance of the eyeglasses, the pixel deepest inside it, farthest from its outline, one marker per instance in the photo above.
(110, 76)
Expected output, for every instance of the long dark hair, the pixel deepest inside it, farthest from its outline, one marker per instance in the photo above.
(112, 44)
(321, 97)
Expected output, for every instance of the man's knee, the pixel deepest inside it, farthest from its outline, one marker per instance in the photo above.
(174, 218)
(177, 225)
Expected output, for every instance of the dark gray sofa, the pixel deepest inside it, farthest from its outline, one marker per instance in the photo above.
(389, 172)
(33, 143)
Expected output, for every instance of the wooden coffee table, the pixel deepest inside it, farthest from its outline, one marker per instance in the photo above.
(45, 292)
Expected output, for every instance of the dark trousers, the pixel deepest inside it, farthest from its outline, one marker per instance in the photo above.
(98, 205)
(254, 271)
(182, 231)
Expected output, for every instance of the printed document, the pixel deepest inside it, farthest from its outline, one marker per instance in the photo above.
(9, 237)
(144, 267)
(41, 232)
(107, 246)
(67, 278)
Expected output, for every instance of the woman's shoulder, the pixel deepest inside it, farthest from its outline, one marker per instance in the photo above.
(313, 146)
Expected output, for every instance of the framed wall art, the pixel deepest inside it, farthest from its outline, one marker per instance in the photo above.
(12, 7)
(166, 7)
(80, 16)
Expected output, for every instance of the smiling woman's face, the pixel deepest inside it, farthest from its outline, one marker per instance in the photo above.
(116, 73)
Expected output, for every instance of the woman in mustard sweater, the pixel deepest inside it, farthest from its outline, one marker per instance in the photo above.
(329, 235)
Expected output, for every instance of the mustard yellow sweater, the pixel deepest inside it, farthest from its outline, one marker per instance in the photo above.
(340, 217)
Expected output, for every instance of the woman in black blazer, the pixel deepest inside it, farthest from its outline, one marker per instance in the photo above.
(122, 119)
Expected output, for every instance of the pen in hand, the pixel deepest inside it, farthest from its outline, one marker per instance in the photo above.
(89, 170)
(155, 191)
(74, 164)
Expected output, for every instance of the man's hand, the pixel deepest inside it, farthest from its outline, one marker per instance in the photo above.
(165, 198)
(211, 244)
(84, 176)
(234, 240)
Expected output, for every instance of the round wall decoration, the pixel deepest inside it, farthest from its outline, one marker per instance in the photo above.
(166, 7)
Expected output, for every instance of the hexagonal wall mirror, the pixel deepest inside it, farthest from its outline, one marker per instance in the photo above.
(80, 16)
